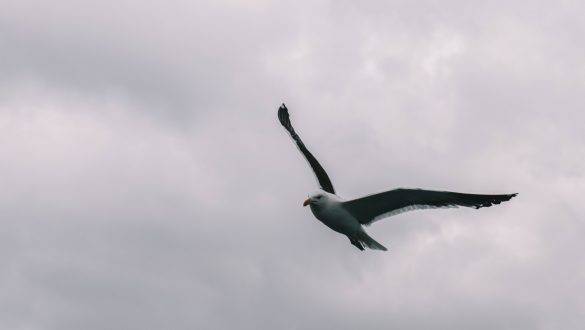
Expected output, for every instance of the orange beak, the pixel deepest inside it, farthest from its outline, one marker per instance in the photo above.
(307, 202)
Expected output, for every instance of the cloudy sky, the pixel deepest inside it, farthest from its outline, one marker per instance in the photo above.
(145, 182)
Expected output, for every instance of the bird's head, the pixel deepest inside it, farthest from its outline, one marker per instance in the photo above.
(318, 198)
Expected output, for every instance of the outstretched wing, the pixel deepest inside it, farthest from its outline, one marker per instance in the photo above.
(320, 173)
(375, 207)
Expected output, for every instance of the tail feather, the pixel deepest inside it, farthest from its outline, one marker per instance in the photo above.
(366, 240)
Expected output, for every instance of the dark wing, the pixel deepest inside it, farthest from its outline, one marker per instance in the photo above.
(375, 207)
(320, 173)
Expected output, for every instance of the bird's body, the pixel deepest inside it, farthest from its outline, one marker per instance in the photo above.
(348, 217)
(328, 208)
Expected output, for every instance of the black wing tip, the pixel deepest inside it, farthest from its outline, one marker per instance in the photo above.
(509, 196)
(283, 116)
(282, 110)
(496, 200)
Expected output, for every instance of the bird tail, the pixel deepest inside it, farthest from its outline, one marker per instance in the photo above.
(366, 240)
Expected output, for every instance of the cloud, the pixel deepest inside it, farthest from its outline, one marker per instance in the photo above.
(147, 184)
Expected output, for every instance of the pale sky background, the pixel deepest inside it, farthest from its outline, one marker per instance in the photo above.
(145, 182)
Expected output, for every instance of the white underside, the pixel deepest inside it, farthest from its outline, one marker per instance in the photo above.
(337, 218)
(406, 209)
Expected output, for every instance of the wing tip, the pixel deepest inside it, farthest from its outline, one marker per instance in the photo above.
(283, 116)
(501, 199)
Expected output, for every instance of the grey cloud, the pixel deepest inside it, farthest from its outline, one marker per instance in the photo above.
(147, 184)
(183, 58)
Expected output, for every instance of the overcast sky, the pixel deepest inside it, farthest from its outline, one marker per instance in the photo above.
(145, 182)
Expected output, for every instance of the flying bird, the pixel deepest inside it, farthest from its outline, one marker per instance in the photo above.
(349, 217)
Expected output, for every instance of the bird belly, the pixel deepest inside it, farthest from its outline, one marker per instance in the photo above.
(339, 220)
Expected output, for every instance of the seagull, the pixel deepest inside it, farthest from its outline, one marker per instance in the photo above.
(348, 217)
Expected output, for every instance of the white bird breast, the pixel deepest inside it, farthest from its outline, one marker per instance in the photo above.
(335, 216)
